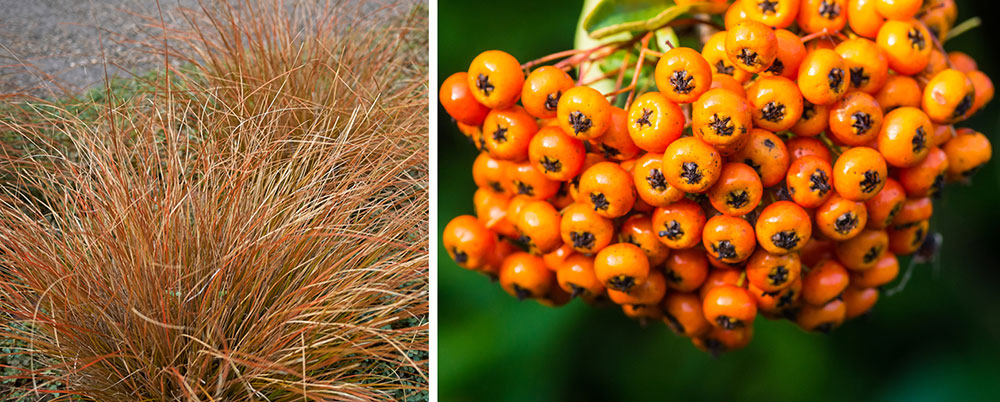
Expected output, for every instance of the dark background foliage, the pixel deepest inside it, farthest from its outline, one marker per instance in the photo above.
(937, 340)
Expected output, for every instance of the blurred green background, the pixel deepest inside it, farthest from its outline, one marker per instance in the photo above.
(937, 340)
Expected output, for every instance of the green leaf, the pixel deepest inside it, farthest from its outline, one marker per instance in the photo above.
(610, 17)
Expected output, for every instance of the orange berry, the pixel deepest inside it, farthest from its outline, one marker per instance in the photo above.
(542, 90)
(650, 184)
(691, 165)
(495, 79)
(841, 219)
(751, 46)
(728, 239)
(682, 75)
(949, 97)
(679, 225)
(775, 103)
(824, 282)
(686, 269)
(819, 15)
(906, 44)
(904, 136)
(467, 241)
(584, 230)
(538, 224)
(823, 77)
(729, 307)
(770, 272)
(766, 154)
(459, 102)
(583, 112)
(556, 155)
(737, 191)
(864, 250)
(967, 152)
(621, 267)
(576, 276)
(607, 189)
(856, 119)
(654, 122)
(525, 276)
(783, 227)
(507, 133)
(859, 173)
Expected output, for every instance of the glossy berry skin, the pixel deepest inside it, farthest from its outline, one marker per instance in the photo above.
(679, 225)
(490, 173)
(538, 224)
(576, 277)
(858, 301)
(542, 90)
(819, 15)
(495, 79)
(491, 210)
(777, 304)
(729, 307)
(555, 154)
(791, 51)
(967, 152)
(555, 259)
(823, 77)
(814, 120)
(984, 90)
(621, 267)
(682, 312)
(649, 293)
(638, 230)
(751, 46)
(767, 154)
(728, 83)
(507, 133)
(898, 91)
(468, 242)
(775, 103)
(863, 18)
(824, 282)
(867, 66)
(525, 276)
(654, 122)
(728, 239)
(841, 219)
(682, 75)
(783, 227)
(949, 97)
(885, 271)
(737, 191)
(859, 173)
(904, 137)
(807, 146)
(771, 273)
(584, 230)
(824, 318)
(686, 269)
(691, 165)
(458, 101)
(914, 210)
(720, 117)
(810, 181)
(715, 54)
(925, 179)
(882, 208)
(607, 189)
(774, 13)
(524, 179)
(650, 184)
(906, 44)
(856, 119)
(864, 250)
(583, 113)
(616, 143)
(717, 340)
(906, 240)
(898, 9)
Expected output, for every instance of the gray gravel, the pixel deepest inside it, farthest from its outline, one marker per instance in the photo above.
(47, 46)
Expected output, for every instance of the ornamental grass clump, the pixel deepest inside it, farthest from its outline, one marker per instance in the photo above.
(254, 227)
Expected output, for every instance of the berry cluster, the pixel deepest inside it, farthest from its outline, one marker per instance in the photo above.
(781, 170)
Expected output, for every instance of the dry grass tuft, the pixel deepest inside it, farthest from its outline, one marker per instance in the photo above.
(253, 228)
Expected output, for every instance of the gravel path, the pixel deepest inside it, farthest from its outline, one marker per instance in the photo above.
(61, 40)
(50, 45)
